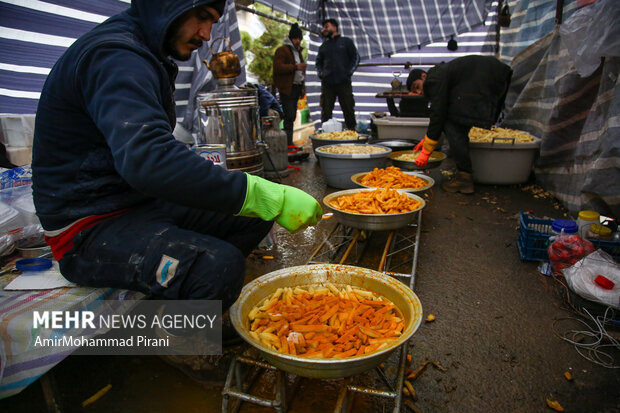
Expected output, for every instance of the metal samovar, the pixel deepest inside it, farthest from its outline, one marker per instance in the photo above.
(230, 115)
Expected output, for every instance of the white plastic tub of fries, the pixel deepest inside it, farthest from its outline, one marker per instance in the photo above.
(501, 155)
(326, 320)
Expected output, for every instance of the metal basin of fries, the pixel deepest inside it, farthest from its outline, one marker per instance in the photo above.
(357, 178)
(256, 291)
(317, 142)
(434, 161)
(373, 222)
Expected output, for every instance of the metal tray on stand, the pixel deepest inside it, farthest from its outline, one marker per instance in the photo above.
(373, 222)
(340, 245)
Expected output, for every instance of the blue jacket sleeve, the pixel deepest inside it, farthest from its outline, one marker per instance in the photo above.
(127, 105)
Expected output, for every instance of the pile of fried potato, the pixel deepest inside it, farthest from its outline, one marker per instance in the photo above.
(379, 201)
(350, 148)
(410, 156)
(325, 321)
(392, 177)
(339, 135)
(477, 134)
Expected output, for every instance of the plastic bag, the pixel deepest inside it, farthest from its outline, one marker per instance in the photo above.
(596, 278)
(566, 250)
(19, 224)
(331, 125)
(591, 33)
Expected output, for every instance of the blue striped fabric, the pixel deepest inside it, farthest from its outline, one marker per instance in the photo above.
(194, 76)
(370, 78)
(531, 20)
(391, 26)
(577, 119)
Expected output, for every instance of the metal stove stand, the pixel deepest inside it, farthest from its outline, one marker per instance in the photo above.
(343, 243)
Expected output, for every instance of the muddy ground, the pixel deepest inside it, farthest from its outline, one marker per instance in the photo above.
(496, 330)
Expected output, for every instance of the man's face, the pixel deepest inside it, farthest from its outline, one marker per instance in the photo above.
(417, 87)
(296, 43)
(187, 33)
(329, 30)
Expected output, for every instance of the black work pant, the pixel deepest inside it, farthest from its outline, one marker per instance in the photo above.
(458, 138)
(289, 107)
(344, 93)
(167, 251)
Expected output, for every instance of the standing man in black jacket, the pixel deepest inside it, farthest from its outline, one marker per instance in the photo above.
(465, 92)
(335, 63)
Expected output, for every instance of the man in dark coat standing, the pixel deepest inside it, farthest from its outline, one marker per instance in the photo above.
(288, 77)
(336, 62)
(465, 92)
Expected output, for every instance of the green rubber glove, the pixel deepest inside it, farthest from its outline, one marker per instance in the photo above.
(290, 207)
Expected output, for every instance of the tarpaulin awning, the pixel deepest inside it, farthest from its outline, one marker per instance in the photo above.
(383, 28)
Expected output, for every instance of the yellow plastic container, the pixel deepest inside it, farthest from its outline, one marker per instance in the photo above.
(585, 219)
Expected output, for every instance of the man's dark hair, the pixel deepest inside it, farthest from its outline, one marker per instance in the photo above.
(414, 75)
(331, 21)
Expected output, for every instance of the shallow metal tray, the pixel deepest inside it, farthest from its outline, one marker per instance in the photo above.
(357, 178)
(432, 163)
(256, 291)
(373, 222)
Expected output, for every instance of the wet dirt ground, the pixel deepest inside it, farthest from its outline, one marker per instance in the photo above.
(496, 331)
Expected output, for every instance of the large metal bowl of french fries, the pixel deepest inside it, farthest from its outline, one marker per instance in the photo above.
(372, 219)
(359, 286)
(393, 177)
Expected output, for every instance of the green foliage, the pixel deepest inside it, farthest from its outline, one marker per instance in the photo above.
(246, 40)
(265, 46)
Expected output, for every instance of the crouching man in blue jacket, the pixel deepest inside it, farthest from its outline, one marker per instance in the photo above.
(123, 203)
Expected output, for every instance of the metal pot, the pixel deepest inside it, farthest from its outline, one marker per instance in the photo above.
(224, 64)
(230, 116)
(392, 289)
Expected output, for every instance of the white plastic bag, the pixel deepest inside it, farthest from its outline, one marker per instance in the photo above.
(581, 278)
(592, 32)
(331, 125)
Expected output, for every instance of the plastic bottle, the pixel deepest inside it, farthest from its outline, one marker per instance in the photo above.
(585, 219)
(566, 226)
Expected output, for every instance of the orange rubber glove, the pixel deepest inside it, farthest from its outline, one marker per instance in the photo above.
(425, 148)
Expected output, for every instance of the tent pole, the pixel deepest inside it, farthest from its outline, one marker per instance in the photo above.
(497, 28)
(270, 17)
(558, 11)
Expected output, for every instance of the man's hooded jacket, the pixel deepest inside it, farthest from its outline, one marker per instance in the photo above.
(103, 134)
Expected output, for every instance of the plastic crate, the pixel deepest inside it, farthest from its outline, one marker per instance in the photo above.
(534, 236)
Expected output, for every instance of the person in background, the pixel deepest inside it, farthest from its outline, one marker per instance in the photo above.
(413, 105)
(266, 101)
(465, 92)
(336, 62)
(122, 202)
(288, 77)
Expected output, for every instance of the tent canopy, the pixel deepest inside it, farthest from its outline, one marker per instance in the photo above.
(380, 29)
